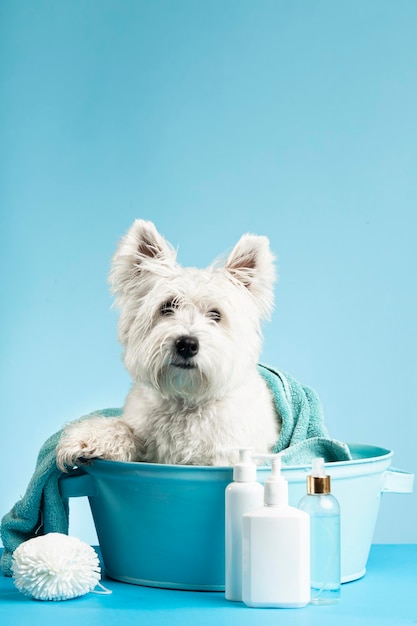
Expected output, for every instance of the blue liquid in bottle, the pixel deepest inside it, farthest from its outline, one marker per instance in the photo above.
(325, 558)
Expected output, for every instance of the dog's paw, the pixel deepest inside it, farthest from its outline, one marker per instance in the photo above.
(95, 438)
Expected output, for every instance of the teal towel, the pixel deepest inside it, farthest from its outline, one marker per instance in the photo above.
(303, 435)
(41, 510)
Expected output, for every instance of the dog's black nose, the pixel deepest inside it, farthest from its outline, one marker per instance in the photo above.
(187, 346)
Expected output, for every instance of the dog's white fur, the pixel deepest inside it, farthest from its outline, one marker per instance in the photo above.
(192, 340)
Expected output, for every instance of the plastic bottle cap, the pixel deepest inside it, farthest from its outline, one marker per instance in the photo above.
(318, 482)
(245, 470)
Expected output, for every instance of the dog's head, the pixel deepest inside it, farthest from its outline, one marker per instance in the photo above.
(190, 333)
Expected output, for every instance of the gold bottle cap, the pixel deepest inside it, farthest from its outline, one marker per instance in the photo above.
(318, 484)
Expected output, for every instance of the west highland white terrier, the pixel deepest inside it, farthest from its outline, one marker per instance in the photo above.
(192, 340)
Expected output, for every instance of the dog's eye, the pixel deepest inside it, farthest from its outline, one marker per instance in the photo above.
(168, 308)
(214, 315)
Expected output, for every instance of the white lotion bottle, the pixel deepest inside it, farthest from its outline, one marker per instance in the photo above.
(241, 496)
(276, 549)
(324, 511)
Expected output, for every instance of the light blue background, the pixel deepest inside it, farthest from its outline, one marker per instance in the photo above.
(292, 119)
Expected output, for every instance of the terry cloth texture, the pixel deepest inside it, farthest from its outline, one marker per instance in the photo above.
(303, 436)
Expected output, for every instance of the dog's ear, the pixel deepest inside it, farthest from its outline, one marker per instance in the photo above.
(251, 263)
(141, 250)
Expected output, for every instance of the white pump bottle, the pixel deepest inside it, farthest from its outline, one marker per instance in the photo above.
(276, 549)
(242, 495)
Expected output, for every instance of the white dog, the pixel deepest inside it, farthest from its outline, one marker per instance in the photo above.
(192, 341)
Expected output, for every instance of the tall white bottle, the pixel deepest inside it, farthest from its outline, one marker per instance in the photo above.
(242, 495)
(276, 550)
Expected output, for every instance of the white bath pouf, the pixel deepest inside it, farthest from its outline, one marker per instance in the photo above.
(55, 567)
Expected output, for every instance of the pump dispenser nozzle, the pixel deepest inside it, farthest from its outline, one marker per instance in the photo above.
(245, 469)
(275, 487)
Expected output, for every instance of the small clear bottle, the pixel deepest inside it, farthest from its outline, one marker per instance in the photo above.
(324, 512)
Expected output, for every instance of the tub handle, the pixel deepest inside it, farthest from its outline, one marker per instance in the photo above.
(397, 481)
(77, 484)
